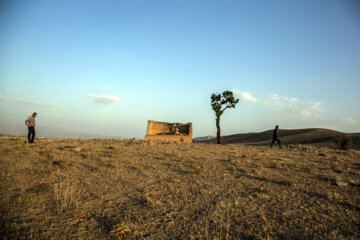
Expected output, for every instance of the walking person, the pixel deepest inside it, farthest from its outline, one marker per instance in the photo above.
(30, 123)
(275, 137)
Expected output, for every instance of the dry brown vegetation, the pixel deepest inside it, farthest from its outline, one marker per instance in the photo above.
(124, 189)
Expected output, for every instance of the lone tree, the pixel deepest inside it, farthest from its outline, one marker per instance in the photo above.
(219, 103)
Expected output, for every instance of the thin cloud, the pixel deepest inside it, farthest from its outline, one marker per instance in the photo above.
(298, 112)
(292, 105)
(29, 102)
(349, 120)
(104, 87)
(104, 99)
(276, 100)
(344, 121)
(283, 104)
(26, 101)
(245, 96)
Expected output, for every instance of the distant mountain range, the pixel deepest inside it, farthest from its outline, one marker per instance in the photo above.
(318, 136)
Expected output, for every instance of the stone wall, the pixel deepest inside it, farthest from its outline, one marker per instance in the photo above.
(179, 132)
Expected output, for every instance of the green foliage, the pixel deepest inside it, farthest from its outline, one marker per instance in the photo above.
(219, 103)
(344, 142)
(225, 99)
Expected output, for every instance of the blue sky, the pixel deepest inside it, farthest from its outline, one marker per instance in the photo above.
(106, 67)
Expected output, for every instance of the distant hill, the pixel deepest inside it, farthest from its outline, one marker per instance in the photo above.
(318, 136)
(199, 139)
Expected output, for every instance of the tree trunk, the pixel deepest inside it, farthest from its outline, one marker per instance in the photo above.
(218, 135)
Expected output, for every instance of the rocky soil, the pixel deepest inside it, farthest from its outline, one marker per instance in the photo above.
(132, 189)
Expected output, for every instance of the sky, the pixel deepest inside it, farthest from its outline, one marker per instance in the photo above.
(106, 67)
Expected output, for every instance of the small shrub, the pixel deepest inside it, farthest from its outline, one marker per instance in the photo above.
(337, 158)
(332, 196)
(119, 231)
(196, 171)
(261, 233)
(310, 170)
(274, 164)
(49, 154)
(287, 182)
(344, 142)
(336, 167)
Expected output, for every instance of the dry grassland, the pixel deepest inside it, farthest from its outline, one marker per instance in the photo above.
(124, 189)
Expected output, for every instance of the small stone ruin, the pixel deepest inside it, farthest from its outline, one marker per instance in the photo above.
(163, 131)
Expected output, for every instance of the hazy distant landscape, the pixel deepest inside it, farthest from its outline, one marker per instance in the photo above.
(313, 136)
(51, 132)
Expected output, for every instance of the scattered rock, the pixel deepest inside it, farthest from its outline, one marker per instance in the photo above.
(134, 139)
(148, 143)
(341, 183)
(306, 149)
(69, 147)
(77, 149)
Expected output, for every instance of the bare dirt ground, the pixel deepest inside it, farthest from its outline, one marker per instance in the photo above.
(124, 189)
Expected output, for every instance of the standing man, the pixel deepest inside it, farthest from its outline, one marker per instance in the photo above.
(30, 123)
(275, 137)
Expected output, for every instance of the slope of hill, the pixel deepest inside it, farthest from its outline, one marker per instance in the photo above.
(318, 136)
(200, 139)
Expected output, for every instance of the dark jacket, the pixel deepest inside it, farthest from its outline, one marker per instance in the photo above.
(275, 133)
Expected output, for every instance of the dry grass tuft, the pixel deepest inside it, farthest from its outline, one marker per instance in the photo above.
(263, 232)
(65, 197)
